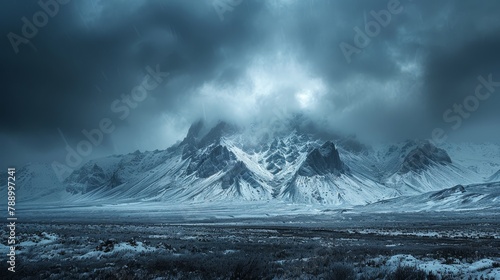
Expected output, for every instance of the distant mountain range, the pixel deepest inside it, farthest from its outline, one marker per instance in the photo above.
(226, 163)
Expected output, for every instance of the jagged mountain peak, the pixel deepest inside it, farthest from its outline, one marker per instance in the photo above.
(422, 156)
(193, 133)
(200, 136)
(225, 162)
(216, 133)
(321, 161)
(96, 168)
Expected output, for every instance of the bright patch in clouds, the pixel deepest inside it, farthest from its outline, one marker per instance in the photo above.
(269, 84)
(311, 94)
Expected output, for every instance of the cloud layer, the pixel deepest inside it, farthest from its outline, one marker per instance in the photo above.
(264, 60)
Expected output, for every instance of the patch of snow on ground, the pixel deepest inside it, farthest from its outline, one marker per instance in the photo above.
(485, 268)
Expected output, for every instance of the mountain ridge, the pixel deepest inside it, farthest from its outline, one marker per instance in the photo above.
(221, 163)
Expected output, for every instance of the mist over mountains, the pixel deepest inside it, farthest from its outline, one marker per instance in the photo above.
(250, 139)
(247, 66)
(227, 163)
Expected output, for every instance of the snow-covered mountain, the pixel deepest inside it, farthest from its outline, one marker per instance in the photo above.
(495, 177)
(226, 163)
(484, 196)
(36, 182)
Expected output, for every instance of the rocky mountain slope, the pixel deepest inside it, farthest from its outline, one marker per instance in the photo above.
(226, 163)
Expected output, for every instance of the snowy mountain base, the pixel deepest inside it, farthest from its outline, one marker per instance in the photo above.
(229, 164)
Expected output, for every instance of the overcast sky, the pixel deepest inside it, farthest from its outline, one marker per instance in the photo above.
(243, 61)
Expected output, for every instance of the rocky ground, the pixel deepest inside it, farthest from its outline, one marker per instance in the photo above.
(360, 248)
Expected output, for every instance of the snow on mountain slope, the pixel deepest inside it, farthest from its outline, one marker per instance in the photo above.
(336, 190)
(324, 178)
(198, 169)
(115, 171)
(34, 181)
(426, 168)
(495, 177)
(483, 159)
(225, 163)
(458, 198)
(434, 178)
(411, 167)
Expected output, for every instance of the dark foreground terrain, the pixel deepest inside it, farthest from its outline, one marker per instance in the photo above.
(337, 246)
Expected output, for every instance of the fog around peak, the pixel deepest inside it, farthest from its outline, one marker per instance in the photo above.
(262, 63)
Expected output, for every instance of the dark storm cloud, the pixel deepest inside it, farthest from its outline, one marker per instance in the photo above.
(90, 53)
(452, 75)
(265, 59)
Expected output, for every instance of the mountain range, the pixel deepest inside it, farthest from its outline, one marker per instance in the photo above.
(227, 163)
